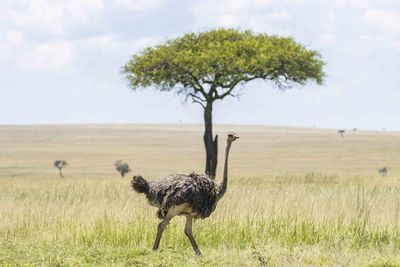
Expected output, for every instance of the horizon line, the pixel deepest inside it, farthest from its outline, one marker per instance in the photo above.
(196, 124)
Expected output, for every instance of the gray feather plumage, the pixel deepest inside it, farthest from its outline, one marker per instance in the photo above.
(199, 191)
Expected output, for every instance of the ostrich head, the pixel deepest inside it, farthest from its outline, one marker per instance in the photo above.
(232, 137)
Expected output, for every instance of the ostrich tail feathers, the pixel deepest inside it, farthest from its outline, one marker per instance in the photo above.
(139, 184)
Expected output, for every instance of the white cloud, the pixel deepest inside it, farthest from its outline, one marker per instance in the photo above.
(255, 14)
(262, 2)
(381, 41)
(211, 8)
(228, 20)
(386, 24)
(51, 15)
(14, 37)
(327, 38)
(282, 15)
(386, 20)
(143, 42)
(362, 3)
(331, 20)
(352, 3)
(112, 42)
(102, 41)
(48, 56)
(4, 49)
(139, 5)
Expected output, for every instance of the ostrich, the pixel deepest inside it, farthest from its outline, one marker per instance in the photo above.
(341, 132)
(191, 195)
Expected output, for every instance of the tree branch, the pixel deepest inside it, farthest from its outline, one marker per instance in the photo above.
(201, 104)
(196, 99)
(233, 84)
(197, 87)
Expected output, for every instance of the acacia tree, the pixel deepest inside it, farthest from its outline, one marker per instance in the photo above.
(60, 164)
(122, 167)
(209, 66)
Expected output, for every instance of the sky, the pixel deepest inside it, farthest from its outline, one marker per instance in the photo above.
(61, 61)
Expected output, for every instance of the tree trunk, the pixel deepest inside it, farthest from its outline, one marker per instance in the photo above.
(210, 143)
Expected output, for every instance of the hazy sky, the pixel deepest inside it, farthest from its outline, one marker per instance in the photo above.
(60, 61)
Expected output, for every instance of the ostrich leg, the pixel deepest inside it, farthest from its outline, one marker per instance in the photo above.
(160, 230)
(189, 234)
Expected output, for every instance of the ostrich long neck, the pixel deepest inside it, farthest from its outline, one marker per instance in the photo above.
(224, 183)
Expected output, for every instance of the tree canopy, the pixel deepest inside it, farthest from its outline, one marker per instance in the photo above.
(207, 66)
(60, 164)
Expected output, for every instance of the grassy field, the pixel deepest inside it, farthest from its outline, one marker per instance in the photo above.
(296, 197)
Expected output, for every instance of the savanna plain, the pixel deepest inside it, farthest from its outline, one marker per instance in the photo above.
(296, 197)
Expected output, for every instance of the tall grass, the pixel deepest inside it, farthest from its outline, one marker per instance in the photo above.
(87, 219)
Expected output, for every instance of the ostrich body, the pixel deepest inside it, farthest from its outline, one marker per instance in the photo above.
(192, 195)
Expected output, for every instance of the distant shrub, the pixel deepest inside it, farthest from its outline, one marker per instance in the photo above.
(122, 167)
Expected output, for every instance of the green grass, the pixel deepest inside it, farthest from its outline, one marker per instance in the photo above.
(296, 197)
